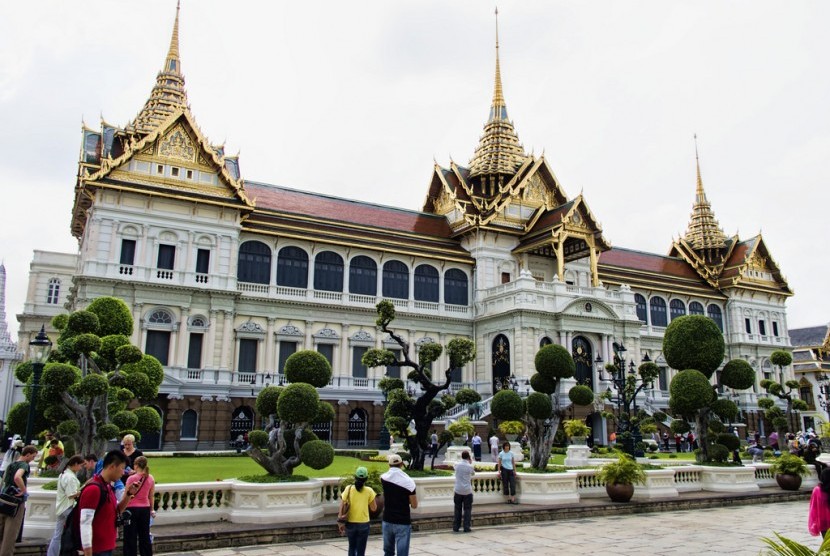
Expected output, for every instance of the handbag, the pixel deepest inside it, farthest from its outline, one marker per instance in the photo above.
(9, 505)
(343, 512)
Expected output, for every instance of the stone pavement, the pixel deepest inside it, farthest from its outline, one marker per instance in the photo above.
(734, 530)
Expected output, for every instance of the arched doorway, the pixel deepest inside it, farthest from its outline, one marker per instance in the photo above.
(242, 421)
(501, 362)
(151, 440)
(357, 427)
(583, 357)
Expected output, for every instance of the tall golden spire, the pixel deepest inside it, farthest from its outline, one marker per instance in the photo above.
(499, 152)
(704, 232)
(169, 93)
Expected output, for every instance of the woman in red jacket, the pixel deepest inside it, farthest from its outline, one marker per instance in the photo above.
(818, 519)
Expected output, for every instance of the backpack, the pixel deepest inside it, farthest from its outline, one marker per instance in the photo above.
(71, 534)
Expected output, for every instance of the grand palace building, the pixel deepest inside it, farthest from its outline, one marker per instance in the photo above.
(227, 277)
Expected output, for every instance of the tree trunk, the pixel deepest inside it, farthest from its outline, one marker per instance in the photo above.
(702, 433)
(274, 460)
(541, 441)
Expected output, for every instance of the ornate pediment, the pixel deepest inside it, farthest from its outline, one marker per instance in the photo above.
(178, 145)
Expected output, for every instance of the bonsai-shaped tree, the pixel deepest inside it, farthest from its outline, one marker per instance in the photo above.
(404, 409)
(694, 344)
(93, 377)
(287, 440)
(781, 419)
(542, 411)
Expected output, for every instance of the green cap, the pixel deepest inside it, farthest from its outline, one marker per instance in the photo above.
(361, 473)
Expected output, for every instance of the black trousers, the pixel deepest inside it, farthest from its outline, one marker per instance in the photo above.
(463, 504)
(137, 533)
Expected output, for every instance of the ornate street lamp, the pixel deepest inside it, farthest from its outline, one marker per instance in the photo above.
(824, 392)
(626, 399)
(39, 349)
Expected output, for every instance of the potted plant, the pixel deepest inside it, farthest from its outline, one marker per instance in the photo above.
(577, 430)
(788, 470)
(620, 477)
(459, 428)
(511, 429)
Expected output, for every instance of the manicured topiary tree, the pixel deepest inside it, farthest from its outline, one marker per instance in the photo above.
(93, 377)
(419, 409)
(542, 411)
(694, 345)
(781, 419)
(287, 440)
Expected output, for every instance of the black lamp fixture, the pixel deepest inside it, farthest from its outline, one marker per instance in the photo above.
(39, 350)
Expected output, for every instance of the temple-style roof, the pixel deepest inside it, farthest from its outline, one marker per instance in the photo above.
(168, 94)
(812, 336)
(704, 231)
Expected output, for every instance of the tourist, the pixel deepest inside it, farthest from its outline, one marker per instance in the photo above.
(87, 470)
(507, 473)
(692, 441)
(137, 533)
(129, 449)
(612, 438)
(494, 446)
(434, 443)
(773, 441)
(14, 482)
(354, 521)
(665, 441)
(677, 440)
(477, 446)
(463, 496)
(399, 497)
(46, 447)
(811, 453)
(11, 454)
(55, 451)
(68, 489)
(818, 518)
(756, 451)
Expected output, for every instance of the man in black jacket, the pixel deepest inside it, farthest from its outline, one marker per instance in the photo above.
(399, 497)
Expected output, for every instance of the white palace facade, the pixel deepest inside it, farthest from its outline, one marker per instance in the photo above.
(227, 277)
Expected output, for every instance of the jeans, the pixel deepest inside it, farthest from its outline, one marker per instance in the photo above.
(55, 544)
(396, 539)
(358, 534)
(137, 533)
(463, 504)
(508, 480)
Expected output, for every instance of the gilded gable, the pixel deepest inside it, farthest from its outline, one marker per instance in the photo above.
(178, 145)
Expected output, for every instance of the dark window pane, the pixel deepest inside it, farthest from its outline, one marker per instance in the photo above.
(716, 315)
(695, 308)
(363, 276)
(254, 263)
(167, 257)
(395, 280)
(641, 307)
(358, 369)
(328, 272)
(189, 422)
(658, 311)
(127, 251)
(292, 268)
(202, 261)
(327, 351)
(247, 355)
(676, 308)
(426, 283)
(545, 342)
(194, 351)
(455, 287)
(394, 371)
(774, 328)
(455, 374)
(158, 345)
(748, 326)
(663, 379)
(286, 350)
(762, 328)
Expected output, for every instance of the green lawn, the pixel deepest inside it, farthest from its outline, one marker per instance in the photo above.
(190, 470)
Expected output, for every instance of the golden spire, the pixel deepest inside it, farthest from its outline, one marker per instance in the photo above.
(499, 152)
(704, 231)
(169, 93)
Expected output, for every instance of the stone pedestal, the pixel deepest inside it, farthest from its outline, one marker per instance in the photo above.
(453, 453)
(577, 455)
(396, 448)
(516, 449)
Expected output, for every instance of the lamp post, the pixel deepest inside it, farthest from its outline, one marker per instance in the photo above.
(626, 397)
(39, 349)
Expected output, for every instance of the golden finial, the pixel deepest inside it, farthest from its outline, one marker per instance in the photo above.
(173, 64)
(498, 93)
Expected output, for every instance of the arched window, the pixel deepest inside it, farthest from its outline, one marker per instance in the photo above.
(190, 422)
(292, 268)
(677, 308)
(160, 316)
(716, 315)
(426, 283)
(254, 263)
(363, 276)
(328, 272)
(395, 280)
(695, 308)
(545, 342)
(641, 307)
(358, 420)
(658, 311)
(455, 287)
(54, 291)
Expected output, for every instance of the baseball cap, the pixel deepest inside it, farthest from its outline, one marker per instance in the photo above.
(361, 473)
(394, 459)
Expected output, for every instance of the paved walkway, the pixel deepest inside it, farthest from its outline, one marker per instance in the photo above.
(734, 530)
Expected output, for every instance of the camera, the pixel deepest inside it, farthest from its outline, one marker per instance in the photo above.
(124, 518)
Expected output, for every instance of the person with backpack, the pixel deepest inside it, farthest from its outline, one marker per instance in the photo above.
(68, 489)
(353, 518)
(137, 532)
(15, 481)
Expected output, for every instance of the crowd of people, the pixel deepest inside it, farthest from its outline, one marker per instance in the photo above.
(94, 497)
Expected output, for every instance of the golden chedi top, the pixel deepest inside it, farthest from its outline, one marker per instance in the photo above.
(704, 231)
(168, 94)
(499, 151)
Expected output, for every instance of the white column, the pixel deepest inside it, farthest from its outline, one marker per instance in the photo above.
(136, 338)
(270, 363)
(181, 340)
(345, 368)
(210, 343)
(227, 329)
(309, 340)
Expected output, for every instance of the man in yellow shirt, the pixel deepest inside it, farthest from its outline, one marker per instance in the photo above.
(354, 523)
(44, 453)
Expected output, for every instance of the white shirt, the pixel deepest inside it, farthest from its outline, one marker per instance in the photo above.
(68, 484)
(494, 442)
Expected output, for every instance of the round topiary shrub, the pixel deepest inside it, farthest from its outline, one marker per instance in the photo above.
(555, 362)
(82, 322)
(148, 419)
(308, 366)
(59, 322)
(581, 395)
(716, 426)
(725, 409)
(298, 403)
(543, 384)
(539, 406)
(507, 405)
(325, 413)
(731, 441)
(114, 314)
(266, 401)
(317, 454)
(87, 343)
(679, 426)
(139, 384)
(107, 431)
(127, 354)
(718, 453)
(689, 391)
(68, 428)
(780, 358)
(738, 374)
(466, 396)
(125, 420)
(694, 342)
(92, 385)
(60, 376)
(258, 439)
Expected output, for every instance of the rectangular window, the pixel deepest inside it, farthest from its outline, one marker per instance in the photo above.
(160, 169)
(775, 329)
(327, 351)
(247, 355)
(505, 277)
(202, 261)
(286, 350)
(456, 374)
(663, 379)
(394, 371)
(167, 257)
(194, 351)
(127, 251)
(748, 326)
(358, 369)
(158, 345)
(190, 174)
(174, 172)
(762, 328)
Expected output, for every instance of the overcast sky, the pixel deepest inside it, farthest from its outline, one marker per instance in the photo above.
(355, 99)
